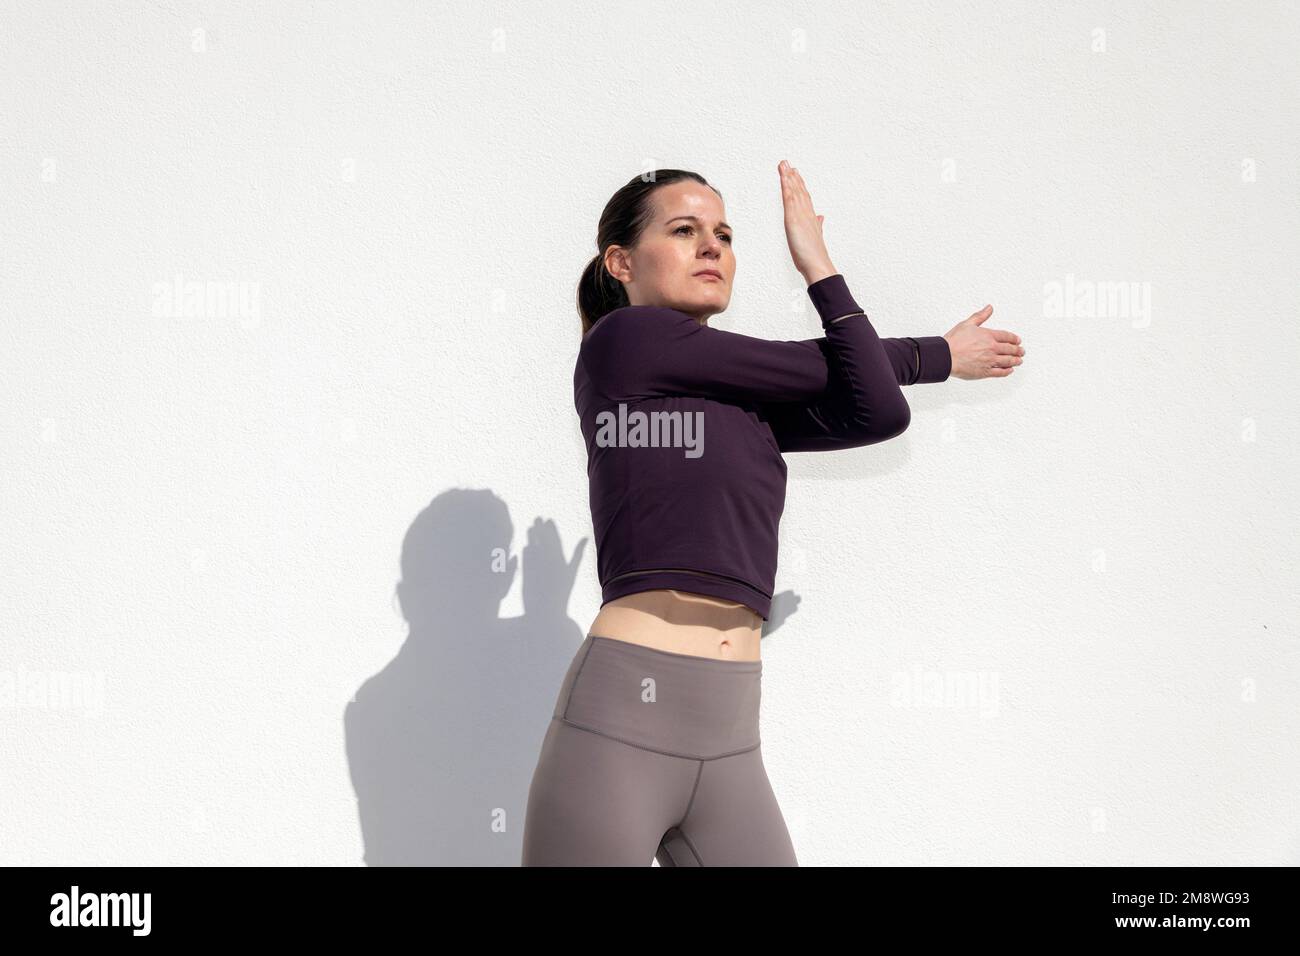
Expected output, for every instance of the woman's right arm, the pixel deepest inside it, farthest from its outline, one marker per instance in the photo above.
(843, 384)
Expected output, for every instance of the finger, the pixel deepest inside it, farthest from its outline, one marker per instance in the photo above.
(797, 184)
(792, 191)
(1008, 348)
(803, 188)
(1003, 335)
(1007, 361)
(980, 316)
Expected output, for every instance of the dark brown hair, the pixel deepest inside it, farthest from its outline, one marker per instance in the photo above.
(625, 217)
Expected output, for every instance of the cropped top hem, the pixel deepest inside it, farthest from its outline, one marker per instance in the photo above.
(684, 580)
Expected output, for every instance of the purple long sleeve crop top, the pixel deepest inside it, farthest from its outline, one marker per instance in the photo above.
(685, 427)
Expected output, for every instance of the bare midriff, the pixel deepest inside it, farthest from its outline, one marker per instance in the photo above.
(683, 622)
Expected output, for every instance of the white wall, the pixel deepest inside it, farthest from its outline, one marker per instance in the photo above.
(203, 515)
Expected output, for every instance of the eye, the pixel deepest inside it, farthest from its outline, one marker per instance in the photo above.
(725, 236)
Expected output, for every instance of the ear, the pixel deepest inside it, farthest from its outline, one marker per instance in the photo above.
(616, 263)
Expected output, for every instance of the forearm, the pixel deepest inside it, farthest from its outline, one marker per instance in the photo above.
(865, 404)
(918, 360)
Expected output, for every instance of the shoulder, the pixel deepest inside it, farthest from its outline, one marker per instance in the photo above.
(639, 313)
(636, 320)
(619, 353)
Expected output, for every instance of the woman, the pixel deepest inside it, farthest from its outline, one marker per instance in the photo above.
(653, 750)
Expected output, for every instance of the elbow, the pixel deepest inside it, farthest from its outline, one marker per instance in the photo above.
(877, 424)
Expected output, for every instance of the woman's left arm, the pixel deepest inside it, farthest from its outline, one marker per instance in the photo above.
(968, 351)
(799, 426)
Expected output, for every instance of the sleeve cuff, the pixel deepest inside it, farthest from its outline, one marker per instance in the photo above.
(832, 299)
(936, 358)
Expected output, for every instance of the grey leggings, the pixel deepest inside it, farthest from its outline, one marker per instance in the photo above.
(654, 755)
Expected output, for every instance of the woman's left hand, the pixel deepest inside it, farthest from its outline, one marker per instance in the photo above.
(978, 352)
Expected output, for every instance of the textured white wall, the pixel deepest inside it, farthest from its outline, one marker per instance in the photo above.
(203, 513)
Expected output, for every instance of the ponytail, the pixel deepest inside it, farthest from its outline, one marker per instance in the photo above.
(599, 293)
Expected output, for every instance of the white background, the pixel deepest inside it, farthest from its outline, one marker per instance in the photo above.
(203, 516)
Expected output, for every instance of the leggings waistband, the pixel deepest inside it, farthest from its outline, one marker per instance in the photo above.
(678, 704)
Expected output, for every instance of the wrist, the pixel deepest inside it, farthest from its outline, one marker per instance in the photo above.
(818, 272)
(832, 299)
(934, 358)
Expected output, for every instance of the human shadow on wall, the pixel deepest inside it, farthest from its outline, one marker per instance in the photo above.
(442, 742)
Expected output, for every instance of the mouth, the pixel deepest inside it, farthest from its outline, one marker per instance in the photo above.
(709, 274)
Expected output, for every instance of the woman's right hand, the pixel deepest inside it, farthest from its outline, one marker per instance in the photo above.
(978, 352)
(803, 227)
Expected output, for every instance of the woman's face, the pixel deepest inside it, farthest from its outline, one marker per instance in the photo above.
(687, 235)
